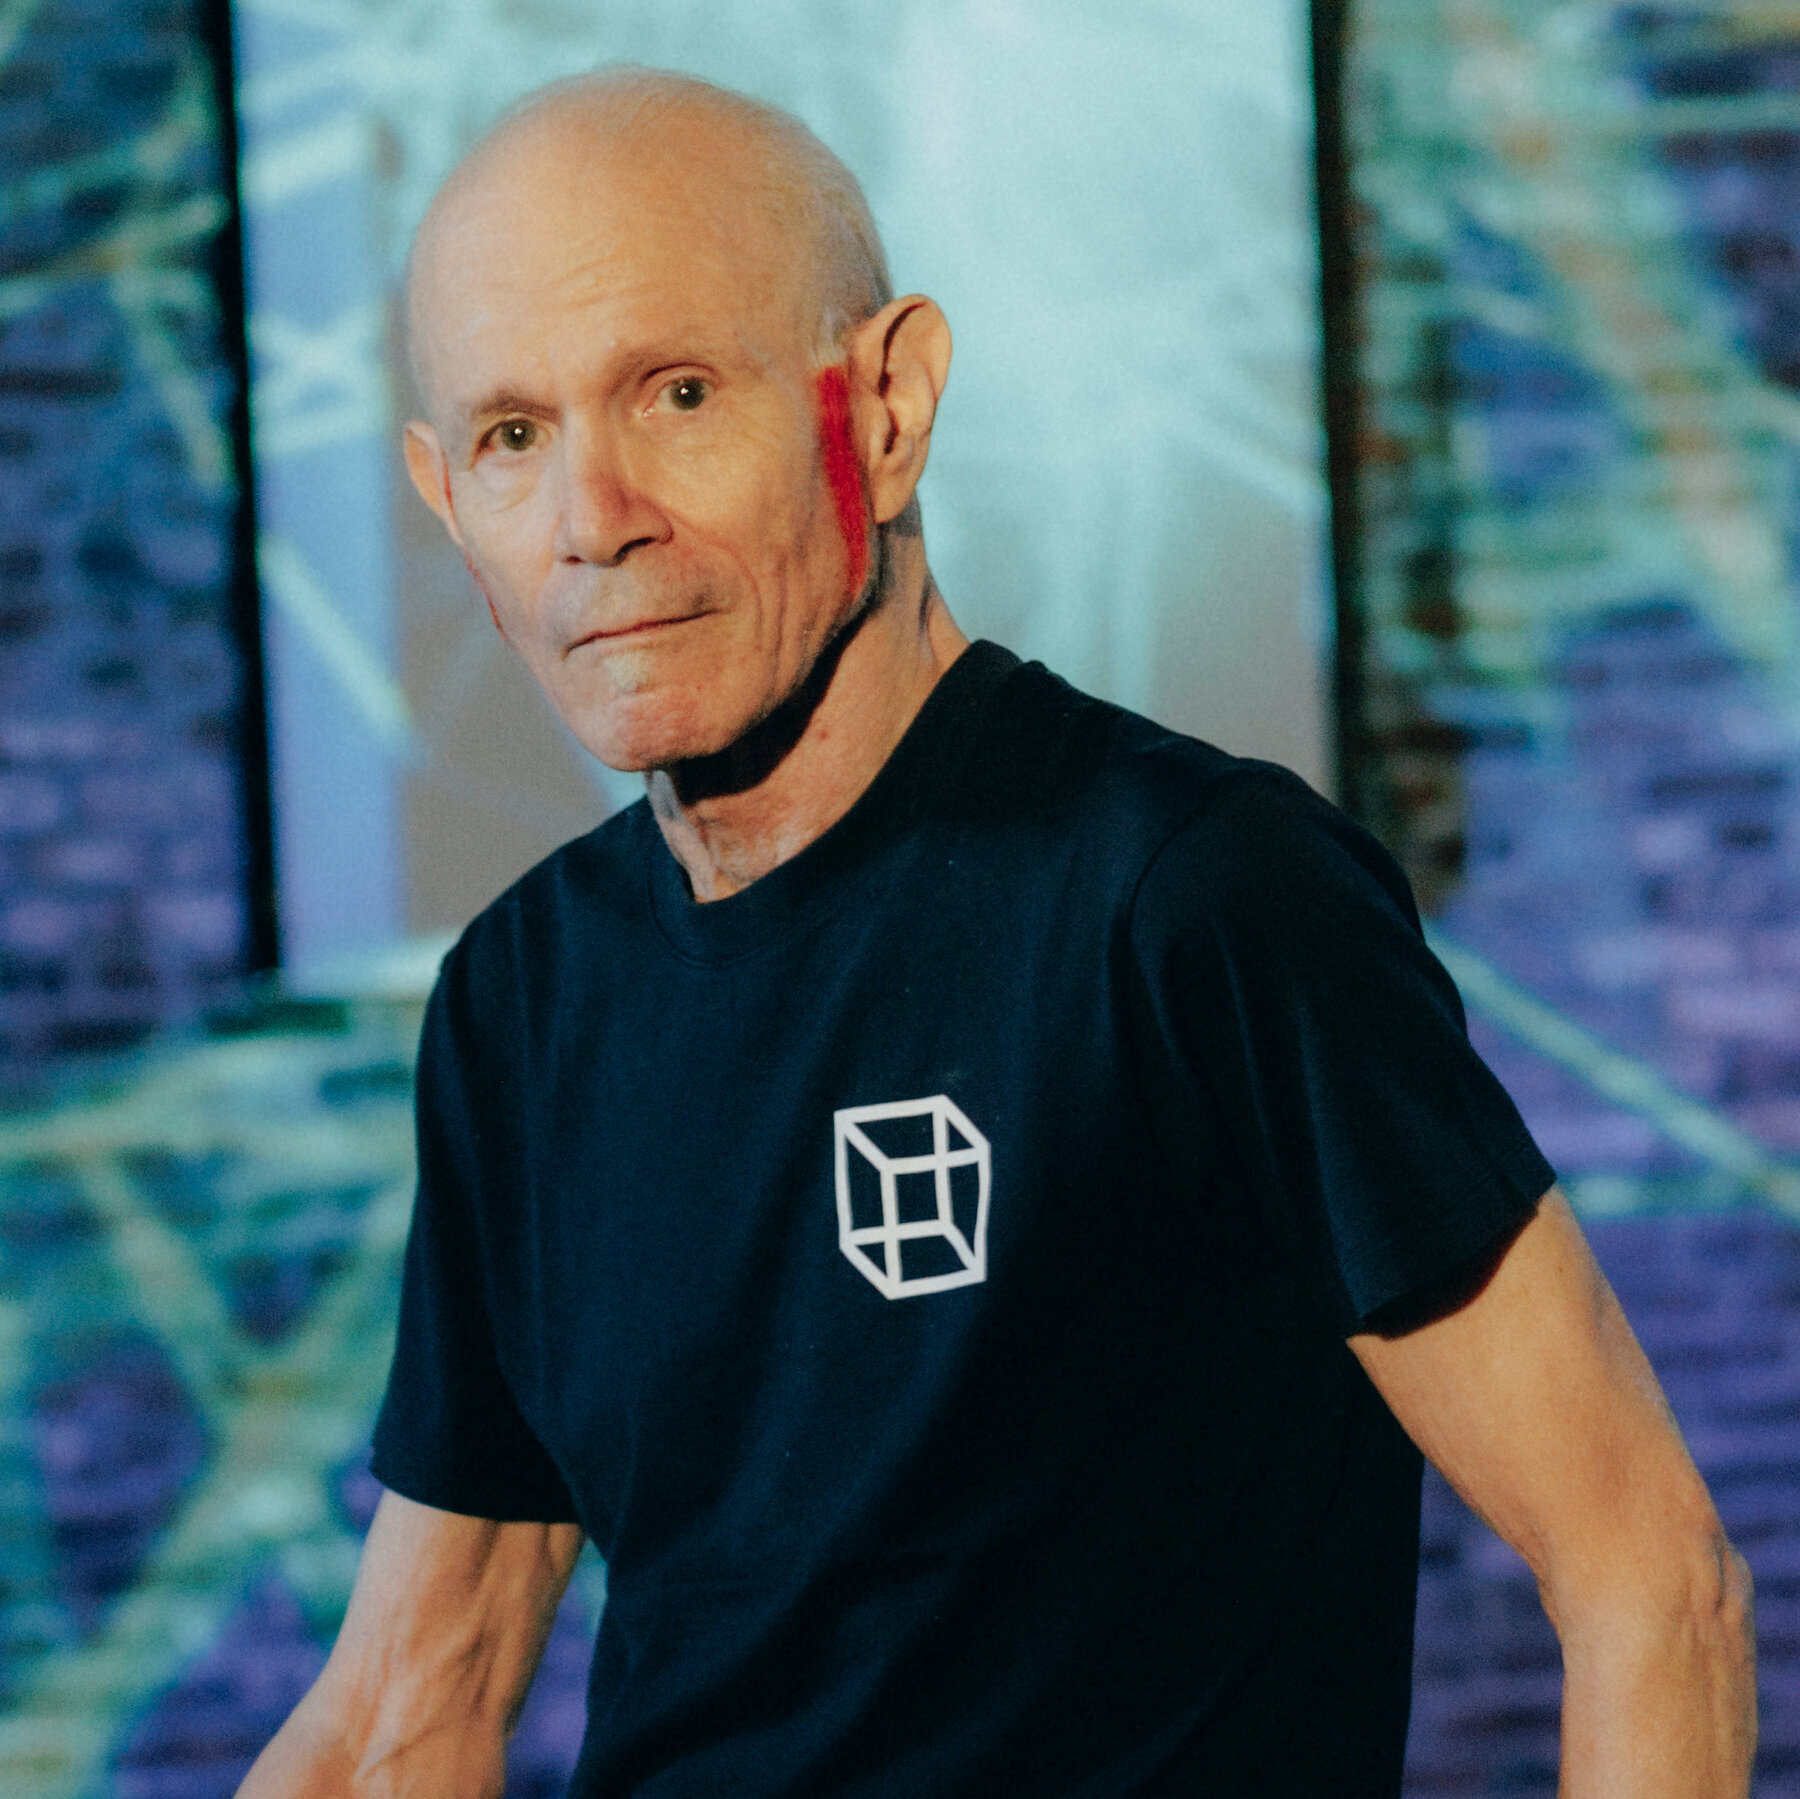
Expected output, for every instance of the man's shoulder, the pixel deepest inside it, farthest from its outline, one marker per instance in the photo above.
(1192, 831)
(1101, 773)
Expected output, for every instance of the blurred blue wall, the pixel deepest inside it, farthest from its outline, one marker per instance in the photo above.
(1580, 331)
(124, 861)
(1578, 229)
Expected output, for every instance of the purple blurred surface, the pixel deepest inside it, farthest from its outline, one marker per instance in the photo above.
(200, 1736)
(1643, 877)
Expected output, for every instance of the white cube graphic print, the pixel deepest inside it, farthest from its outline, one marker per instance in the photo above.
(912, 1195)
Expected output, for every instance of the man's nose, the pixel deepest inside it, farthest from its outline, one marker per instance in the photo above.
(605, 511)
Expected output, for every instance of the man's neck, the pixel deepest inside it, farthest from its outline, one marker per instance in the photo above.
(873, 686)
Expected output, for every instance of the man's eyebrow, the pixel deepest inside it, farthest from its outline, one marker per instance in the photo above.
(504, 401)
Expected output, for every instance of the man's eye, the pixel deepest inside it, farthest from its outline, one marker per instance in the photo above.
(687, 393)
(515, 434)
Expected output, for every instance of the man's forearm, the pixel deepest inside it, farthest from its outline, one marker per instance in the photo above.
(1535, 1399)
(437, 1652)
(314, 1756)
(1659, 1695)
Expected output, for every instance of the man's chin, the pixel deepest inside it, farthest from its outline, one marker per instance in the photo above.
(637, 732)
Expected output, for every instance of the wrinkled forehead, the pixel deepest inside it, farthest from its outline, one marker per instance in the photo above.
(683, 231)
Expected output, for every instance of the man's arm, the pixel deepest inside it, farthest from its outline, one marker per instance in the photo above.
(1535, 1400)
(444, 1631)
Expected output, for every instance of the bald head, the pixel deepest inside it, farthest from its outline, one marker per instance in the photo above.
(745, 178)
(676, 423)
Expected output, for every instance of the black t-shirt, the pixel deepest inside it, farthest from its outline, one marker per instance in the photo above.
(925, 1274)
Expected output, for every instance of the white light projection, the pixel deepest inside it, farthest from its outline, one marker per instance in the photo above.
(1113, 207)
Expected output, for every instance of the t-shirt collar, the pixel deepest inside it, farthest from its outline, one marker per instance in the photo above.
(821, 876)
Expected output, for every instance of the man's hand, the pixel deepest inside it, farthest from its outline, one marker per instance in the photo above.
(444, 1632)
(1535, 1400)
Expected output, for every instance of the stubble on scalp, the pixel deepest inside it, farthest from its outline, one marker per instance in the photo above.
(624, 115)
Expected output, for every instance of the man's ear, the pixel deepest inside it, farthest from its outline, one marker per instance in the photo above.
(430, 471)
(898, 363)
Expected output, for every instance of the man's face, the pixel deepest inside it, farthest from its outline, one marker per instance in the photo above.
(619, 354)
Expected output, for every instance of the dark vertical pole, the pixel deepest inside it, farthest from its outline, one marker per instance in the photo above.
(1340, 391)
(214, 24)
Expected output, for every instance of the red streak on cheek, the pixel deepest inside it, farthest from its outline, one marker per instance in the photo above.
(843, 471)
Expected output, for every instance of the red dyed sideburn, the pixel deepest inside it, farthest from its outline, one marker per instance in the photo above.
(843, 472)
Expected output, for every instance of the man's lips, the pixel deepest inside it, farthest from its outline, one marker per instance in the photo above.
(612, 635)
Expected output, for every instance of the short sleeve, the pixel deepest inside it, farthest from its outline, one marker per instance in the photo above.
(1297, 1014)
(450, 1433)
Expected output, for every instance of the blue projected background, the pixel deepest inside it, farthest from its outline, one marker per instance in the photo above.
(1578, 233)
(1112, 207)
(1578, 230)
(123, 863)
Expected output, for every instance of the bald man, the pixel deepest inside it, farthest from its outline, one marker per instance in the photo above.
(959, 1193)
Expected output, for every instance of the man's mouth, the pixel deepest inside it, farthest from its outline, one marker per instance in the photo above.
(638, 630)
